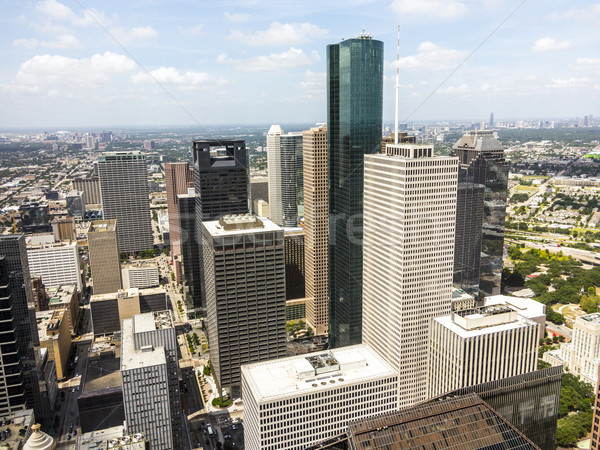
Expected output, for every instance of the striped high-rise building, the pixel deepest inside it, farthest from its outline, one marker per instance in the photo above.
(409, 219)
(178, 178)
(105, 262)
(316, 228)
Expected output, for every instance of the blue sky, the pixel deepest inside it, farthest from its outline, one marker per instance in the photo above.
(182, 62)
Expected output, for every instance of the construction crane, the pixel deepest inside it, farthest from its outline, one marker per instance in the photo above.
(12, 215)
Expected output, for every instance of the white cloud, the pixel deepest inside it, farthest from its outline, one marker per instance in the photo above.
(237, 17)
(572, 82)
(590, 13)
(170, 75)
(127, 35)
(64, 41)
(51, 10)
(431, 57)
(590, 65)
(26, 43)
(195, 30)
(45, 71)
(439, 9)
(289, 59)
(313, 83)
(280, 34)
(548, 44)
(462, 89)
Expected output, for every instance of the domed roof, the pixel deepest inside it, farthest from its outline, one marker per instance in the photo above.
(39, 440)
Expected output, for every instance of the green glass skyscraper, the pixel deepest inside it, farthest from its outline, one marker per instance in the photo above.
(354, 120)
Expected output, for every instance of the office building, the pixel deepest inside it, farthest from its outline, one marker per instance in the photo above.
(76, 204)
(140, 274)
(294, 263)
(316, 228)
(354, 124)
(220, 178)
(294, 402)
(403, 138)
(409, 218)
(91, 189)
(35, 217)
(284, 158)
(479, 345)
(55, 336)
(105, 258)
(190, 249)
(64, 229)
(492, 120)
(65, 297)
(178, 178)
(109, 310)
(40, 297)
(525, 307)
(259, 190)
(19, 427)
(483, 190)
(582, 354)
(57, 263)
(19, 376)
(244, 264)
(595, 441)
(150, 379)
(111, 438)
(125, 197)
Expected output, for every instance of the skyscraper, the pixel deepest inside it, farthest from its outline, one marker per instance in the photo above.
(190, 250)
(410, 209)
(595, 444)
(274, 166)
(105, 260)
(178, 178)
(316, 232)
(354, 121)
(125, 197)
(492, 120)
(244, 271)
(19, 338)
(483, 190)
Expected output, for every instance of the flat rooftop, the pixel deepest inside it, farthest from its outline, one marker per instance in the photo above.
(48, 323)
(591, 318)
(486, 329)
(314, 372)
(121, 293)
(99, 439)
(524, 306)
(62, 294)
(143, 264)
(152, 321)
(134, 359)
(102, 372)
(19, 423)
(244, 223)
(98, 226)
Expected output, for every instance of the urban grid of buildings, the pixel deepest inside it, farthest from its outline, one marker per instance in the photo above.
(390, 253)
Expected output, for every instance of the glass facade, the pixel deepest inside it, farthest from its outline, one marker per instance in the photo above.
(354, 117)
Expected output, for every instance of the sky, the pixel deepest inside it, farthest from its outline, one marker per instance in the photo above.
(78, 63)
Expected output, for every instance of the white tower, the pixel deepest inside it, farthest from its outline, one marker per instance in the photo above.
(274, 165)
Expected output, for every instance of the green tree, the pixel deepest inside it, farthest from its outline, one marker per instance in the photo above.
(589, 303)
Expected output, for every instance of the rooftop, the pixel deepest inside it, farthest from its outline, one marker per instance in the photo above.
(525, 307)
(591, 318)
(110, 438)
(121, 293)
(470, 323)
(48, 323)
(51, 245)
(239, 224)
(142, 264)
(61, 295)
(102, 225)
(152, 321)
(315, 372)
(134, 359)
(18, 425)
(102, 370)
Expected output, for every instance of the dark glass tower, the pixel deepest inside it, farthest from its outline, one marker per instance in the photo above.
(20, 387)
(189, 246)
(354, 120)
(483, 190)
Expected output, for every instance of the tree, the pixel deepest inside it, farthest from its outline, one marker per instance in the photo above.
(589, 303)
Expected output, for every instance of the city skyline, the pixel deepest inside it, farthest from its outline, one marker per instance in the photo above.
(271, 57)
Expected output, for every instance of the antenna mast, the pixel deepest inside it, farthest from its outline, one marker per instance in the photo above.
(397, 87)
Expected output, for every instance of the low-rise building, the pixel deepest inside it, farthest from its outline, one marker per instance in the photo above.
(294, 402)
(55, 335)
(65, 297)
(582, 354)
(141, 274)
(57, 263)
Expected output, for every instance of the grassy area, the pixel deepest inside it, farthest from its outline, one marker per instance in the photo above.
(535, 177)
(525, 188)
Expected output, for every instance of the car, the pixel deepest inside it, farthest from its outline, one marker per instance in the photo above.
(68, 437)
(74, 432)
(207, 442)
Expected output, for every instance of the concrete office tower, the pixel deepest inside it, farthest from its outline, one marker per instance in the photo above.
(483, 190)
(410, 208)
(480, 345)
(582, 354)
(492, 120)
(76, 204)
(20, 385)
(317, 394)
(178, 178)
(91, 189)
(105, 257)
(148, 365)
(275, 177)
(125, 197)
(64, 229)
(316, 228)
(57, 263)
(595, 444)
(220, 179)
(354, 121)
(190, 252)
(244, 271)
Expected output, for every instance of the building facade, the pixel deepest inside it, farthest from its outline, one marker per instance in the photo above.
(295, 402)
(483, 191)
(90, 187)
(316, 228)
(595, 441)
(64, 229)
(275, 176)
(57, 263)
(55, 336)
(105, 257)
(410, 205)
(190, 250)
(245, 294)
(125, 197)
(178, 178)
(140, 275)
(294, 263)
(76, 204)
(354, 123)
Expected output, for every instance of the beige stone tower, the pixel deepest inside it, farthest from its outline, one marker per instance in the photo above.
(104, 256)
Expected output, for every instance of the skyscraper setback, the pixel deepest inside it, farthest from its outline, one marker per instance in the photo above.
(125, 197)
(354, 121)
(178, 178)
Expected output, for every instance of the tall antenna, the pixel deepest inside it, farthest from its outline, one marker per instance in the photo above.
(397, 87)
